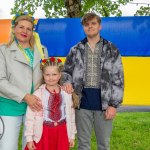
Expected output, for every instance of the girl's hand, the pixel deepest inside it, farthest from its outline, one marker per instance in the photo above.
(33, 101)
(71, 143)
(31, 145)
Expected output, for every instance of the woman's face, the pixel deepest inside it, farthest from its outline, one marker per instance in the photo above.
(23, 31)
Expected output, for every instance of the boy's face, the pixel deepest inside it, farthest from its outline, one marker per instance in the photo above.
(92, 28)
(51, 75)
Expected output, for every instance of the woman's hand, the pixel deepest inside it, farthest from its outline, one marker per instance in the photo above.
(31, 145)
(33, 102)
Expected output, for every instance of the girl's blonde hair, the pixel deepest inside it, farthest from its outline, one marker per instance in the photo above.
(16, 21)
(51, 61)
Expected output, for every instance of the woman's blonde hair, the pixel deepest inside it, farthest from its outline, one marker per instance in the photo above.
(16, 21)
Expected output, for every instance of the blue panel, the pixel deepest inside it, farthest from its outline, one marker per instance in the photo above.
(59, 35)
(130, 34)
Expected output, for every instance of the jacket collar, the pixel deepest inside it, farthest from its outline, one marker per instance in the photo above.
(43, 86)
(85, 40)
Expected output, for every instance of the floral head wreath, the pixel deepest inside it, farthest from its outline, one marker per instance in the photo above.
(52, 60)
(23, 14)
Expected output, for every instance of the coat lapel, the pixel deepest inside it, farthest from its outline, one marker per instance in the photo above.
(18, 55)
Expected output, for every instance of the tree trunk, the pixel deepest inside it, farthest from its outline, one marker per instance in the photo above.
(73, 8)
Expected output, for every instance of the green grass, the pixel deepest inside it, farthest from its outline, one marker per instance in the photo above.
(131, 131)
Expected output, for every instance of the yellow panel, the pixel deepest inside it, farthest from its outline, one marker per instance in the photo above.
(62, 59)
(137, 80)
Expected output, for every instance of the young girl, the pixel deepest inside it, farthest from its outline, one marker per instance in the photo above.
(53, 128)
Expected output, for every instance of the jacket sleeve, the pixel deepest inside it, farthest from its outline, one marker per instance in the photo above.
(29, 124)
(117, 78)
(73, 125)
(6, 88)
(30, 120)
(69, 67)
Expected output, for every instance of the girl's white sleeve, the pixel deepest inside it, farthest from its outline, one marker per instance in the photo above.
(73, 124)
(29, 124)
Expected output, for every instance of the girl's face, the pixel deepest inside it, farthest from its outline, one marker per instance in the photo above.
(51, 75)
(23, 31)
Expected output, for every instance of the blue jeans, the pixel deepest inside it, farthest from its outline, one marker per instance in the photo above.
(12, 125)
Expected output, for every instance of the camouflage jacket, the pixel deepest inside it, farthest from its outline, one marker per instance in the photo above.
(111, 69)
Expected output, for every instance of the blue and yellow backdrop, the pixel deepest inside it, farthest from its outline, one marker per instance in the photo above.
(130, 34)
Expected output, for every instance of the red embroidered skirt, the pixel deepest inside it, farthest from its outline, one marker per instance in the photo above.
(53, 138)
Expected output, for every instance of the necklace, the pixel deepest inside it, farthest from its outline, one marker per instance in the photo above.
(22, 50)
(30, 54)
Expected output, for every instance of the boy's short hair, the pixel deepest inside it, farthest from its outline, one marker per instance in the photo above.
(90, 16)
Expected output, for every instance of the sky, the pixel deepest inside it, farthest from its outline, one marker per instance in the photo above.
(6, 5)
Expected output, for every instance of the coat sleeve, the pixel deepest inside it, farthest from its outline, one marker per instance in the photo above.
(117, 78)
(6, 88)
(73, 125)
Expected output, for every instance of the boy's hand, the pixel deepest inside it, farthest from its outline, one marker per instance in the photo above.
(110, 113)
(31, 145)
(67, 87)
(71, 142)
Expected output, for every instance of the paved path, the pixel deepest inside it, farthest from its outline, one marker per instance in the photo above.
(134, 109)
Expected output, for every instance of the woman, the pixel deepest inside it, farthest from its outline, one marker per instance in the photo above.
(20, 75)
